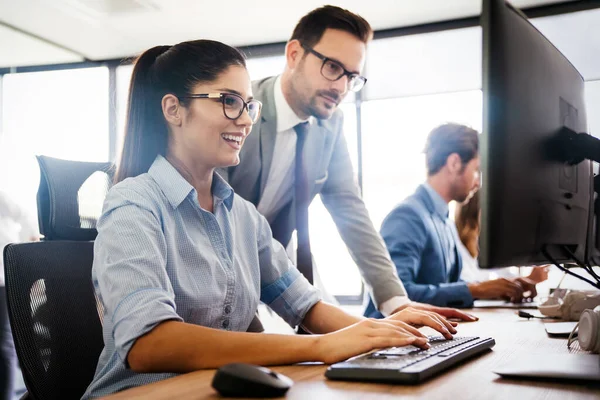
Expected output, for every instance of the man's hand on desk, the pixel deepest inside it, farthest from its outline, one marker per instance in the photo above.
(515, 290)
(443, 311)
(529, 290)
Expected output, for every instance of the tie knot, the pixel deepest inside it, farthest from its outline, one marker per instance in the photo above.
(301, 128)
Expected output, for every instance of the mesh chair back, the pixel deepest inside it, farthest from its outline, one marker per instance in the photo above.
(54, 315)
(70, 197)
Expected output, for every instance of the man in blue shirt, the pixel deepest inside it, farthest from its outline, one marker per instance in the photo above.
(420, 237)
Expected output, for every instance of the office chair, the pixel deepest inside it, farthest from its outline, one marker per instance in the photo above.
(70, 197)
(54, 315)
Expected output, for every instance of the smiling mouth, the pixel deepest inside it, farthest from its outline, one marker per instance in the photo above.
(232, 138)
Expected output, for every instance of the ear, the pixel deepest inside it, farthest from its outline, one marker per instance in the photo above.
(454, 163)
(293, 53)
(171, 109)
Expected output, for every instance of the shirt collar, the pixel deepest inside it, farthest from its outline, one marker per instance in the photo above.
(439, 204)
(176, 188)
(286, 117)
(222, 191)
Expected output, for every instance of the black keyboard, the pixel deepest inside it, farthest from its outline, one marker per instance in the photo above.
(409, 364)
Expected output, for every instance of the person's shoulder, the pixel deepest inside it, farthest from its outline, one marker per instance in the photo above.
(141, 191)
(414, 202)
(260, 86)
(244, 211)
(407, 207)
(410, 209)
(240, 204)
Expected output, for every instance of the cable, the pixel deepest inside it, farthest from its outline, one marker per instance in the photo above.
(524, 314)
(561, 280)
(581, 264)
(553, 261)
(573, 336)
(586, 267)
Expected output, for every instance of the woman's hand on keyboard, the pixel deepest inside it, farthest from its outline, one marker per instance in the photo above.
(366, 335)
(417, 317)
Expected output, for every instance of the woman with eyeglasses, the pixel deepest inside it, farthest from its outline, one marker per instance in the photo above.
(181, 262)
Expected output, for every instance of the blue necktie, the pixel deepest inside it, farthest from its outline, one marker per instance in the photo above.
(302, 198)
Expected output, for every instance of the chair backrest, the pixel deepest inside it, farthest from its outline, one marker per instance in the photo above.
(70, 197)
(54, 316)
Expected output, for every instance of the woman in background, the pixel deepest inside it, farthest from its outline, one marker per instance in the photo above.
(467, 218)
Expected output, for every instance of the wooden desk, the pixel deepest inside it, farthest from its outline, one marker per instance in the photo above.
(470, 380)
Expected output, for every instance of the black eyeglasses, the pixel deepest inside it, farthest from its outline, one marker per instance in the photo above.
(233, 104)
(333, 70)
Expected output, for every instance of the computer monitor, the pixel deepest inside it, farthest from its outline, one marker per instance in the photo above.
(535, 205)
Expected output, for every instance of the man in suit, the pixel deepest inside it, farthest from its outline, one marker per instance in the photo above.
(297, 150)
(420, 237)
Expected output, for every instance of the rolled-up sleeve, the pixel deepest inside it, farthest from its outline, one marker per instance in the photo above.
(282, 287)
(130, 269)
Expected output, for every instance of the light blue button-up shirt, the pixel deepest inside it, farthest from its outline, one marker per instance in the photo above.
(159, 256)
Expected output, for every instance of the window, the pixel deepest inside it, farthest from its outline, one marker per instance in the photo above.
(336, 268)
(592, 103)
(447, 61)
(61, 114)
(263, 67)
(576, 36)
(123, 79)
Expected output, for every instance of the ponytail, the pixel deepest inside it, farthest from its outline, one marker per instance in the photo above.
(145, 128)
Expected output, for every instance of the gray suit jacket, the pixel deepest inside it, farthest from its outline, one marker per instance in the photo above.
(331, 174)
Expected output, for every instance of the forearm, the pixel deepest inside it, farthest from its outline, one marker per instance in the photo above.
(324, 318)
(175, 346)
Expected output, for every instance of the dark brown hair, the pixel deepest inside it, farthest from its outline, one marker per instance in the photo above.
(311, 27)
(466, 218)
(448, 139)
(158, 71)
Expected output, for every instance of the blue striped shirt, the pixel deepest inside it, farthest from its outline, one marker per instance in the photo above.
(159, 256)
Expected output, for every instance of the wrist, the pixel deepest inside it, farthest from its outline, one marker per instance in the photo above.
(313, 347)
(474, 289)
(393, 305)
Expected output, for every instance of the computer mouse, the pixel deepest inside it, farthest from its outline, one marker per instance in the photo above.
(247, 380)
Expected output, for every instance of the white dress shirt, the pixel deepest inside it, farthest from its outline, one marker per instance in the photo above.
(279, 189)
